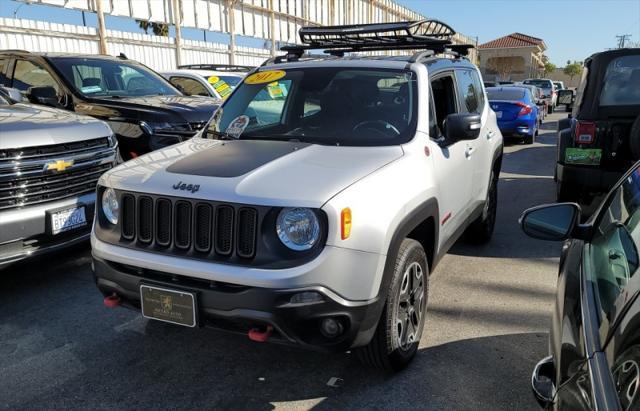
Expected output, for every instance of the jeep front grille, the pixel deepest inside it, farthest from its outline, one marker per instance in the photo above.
(199, 228)
(26, 180)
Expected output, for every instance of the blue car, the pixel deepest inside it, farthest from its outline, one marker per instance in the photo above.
(516, 111)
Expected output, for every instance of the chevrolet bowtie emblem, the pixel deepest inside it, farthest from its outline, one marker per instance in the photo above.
(59, 165)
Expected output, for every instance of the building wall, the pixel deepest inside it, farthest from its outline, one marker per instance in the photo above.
(154, 51)
(521, 58)
(558, 75)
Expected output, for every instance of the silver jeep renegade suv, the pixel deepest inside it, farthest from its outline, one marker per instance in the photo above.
(317, 201)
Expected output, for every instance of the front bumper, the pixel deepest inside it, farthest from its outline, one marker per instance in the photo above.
(587, 177)
(240, 308)
(24, 230)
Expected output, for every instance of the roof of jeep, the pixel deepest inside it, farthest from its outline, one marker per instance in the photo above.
(383, 62)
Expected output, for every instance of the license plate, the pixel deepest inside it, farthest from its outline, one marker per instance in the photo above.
(172, 306)
(65, 220)
(498, 114)
(584, 156)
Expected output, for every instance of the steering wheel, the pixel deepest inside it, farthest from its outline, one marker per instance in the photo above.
(380, 126)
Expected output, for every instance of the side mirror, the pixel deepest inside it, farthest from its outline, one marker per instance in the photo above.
(45, 95)
(462, 126)
(552, 222)
(565, 97)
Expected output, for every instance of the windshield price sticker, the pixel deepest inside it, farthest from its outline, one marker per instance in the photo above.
(237, 126)
(265, 77)
(220, 86)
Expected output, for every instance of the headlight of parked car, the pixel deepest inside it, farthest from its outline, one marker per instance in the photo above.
(110, 206)
(298, 228)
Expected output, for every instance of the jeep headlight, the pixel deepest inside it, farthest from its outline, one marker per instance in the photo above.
(298, 228)
(110, 206)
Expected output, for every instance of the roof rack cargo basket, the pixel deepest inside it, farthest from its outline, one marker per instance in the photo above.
(337, 40)
(216, 67)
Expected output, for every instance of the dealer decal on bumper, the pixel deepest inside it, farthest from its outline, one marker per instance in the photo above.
(585, 156)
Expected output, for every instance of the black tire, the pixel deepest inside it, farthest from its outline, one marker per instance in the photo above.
(529, 139)
(549, 109)
(481, 229)
(385, 350)
(566, 193)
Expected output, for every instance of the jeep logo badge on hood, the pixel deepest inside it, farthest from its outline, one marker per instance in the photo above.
(186, 187)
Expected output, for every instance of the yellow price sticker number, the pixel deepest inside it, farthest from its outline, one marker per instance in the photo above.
(265, 77)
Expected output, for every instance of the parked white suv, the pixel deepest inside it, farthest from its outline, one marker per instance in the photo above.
(314, 206)
(210, 80)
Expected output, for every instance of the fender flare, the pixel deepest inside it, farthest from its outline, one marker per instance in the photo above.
(412, 220)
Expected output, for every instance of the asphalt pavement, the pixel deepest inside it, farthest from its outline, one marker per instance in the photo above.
(487, 325)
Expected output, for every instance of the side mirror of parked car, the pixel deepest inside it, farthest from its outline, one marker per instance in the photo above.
(462, 126)
(552, 222)
(45, 95)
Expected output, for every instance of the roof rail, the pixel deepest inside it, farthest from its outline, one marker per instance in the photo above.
(216, 67)
(337, 40)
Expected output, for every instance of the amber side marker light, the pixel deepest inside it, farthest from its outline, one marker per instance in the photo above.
(345, 223)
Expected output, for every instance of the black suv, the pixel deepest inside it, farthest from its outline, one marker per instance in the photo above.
(143, 109)
(601, 138)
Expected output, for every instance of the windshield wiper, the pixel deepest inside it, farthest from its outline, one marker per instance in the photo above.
(222, 136)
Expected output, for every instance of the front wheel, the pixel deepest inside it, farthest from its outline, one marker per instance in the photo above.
(399, 329)
(481, 229)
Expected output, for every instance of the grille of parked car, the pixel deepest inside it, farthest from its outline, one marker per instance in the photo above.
(34, 175)
(201, 228)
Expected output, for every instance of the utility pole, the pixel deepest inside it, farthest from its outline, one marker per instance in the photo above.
(102, 30)
(177, 22)
(622, 39)
(231, 23)
(272, 26)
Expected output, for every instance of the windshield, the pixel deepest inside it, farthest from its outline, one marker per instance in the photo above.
(112, 78)
(513, 93)
(344, 106)
(233, 81)
(539, 83)
(622, 82)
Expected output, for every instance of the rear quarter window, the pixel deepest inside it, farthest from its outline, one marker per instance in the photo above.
(621, 83)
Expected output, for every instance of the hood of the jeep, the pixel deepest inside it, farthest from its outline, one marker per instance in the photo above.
(278, 173)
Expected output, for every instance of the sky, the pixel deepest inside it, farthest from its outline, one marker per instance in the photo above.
(571, 29)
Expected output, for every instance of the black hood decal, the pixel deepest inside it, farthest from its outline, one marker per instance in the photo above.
(234, 158)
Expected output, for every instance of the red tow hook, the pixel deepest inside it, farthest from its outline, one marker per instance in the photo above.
(112, 301)
(257, 335)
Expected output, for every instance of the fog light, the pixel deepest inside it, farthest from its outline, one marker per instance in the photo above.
(331, 327)
(306, 297)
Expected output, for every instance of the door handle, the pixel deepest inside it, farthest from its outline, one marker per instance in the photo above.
(490, 134)
(469, 151)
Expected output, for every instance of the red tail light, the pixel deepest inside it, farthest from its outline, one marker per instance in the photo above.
(585, 132)
(526, 109)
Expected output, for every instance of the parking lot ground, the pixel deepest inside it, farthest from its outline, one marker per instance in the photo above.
(487, 325)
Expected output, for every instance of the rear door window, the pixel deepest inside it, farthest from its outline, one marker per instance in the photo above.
(621, 85)
(189, 86)
(469, 91)
(4, 66)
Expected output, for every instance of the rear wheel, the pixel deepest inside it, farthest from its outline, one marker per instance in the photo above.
(528, 139)
(566, 193)
(400, 327)
(481, 230)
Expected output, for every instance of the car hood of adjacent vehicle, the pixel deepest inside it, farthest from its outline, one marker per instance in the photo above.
(273, 173)
(192, 109)
(26, 125)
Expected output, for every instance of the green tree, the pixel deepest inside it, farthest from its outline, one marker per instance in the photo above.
(159, 29)
(549, 68)
(573, 69)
